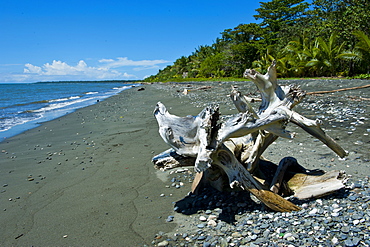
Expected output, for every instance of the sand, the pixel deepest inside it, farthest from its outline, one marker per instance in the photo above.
(86, 179)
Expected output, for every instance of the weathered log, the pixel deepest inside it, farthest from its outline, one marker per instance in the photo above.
(339, 90)
(228, 154)
(189, 136)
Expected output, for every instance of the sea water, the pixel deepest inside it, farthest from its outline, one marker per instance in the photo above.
(25, 105)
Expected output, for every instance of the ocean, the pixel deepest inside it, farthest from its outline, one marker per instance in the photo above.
(25, 105)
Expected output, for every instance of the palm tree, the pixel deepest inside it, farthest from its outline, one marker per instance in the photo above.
(297, 53)
(326, 60)
(363, 46)
(264, 62)
(359, 55)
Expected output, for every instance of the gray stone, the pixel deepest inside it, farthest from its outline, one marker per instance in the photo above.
(356, 241)
(163, 243)
(349, 243)
(345, 229)
(207, 244)
(266, 233)
(170, 218)
(202, 237)
(200, 226)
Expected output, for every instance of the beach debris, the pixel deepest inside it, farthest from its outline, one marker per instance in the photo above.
(339, 90)
(30, 178)
(227, 152)
(20, 235)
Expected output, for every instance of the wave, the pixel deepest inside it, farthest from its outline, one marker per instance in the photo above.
(8, 123)
(24, 104)
(39, 102)
(60, 105)
(63, 99)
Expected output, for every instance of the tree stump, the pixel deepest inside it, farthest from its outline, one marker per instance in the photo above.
(227, 155)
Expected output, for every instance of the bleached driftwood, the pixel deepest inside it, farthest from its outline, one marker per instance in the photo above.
(229, 153)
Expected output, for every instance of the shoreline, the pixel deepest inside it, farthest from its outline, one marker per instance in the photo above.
(87, 176)
(86, 179)
(52, 107)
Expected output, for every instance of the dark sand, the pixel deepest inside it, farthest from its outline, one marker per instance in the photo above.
(86, 179)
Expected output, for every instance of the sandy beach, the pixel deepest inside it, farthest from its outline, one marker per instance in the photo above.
(86, 179)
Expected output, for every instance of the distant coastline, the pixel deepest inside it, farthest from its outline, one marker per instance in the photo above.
(103, 81)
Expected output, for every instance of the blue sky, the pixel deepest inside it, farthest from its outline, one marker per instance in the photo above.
(103, 40)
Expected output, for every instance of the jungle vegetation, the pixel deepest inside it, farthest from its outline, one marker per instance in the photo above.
(320, 38)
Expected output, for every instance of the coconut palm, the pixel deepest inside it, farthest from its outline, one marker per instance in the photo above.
(363, 46)
(297, 53)
(264, 62)
(326, 60)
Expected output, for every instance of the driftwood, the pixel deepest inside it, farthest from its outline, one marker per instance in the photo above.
(227, 154)
(339, 90)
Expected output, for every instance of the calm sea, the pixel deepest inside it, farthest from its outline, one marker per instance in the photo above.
(24, 106)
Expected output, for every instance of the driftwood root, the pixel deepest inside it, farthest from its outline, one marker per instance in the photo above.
(228, 154)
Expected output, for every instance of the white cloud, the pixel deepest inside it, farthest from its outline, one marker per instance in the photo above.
(120, 68)
(124, 61)
(59, 68)
(32, 69)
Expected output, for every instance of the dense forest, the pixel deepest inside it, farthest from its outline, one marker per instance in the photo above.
(321, 38)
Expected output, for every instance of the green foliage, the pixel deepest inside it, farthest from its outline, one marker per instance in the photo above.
(321, 38)
(362, 76)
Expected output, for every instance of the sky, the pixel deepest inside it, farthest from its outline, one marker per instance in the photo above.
(48, 40)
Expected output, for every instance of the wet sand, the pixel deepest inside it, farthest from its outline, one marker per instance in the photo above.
(86, 179)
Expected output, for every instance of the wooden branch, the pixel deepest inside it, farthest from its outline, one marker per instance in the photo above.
(239, 177)
(313, 128)
(242, 103)
(279, 174)
(339, 90)
(271, 93)
(244, 124)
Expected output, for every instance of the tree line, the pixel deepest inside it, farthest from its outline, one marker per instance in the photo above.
(321, 38)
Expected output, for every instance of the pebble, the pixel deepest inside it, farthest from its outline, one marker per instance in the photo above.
(163, 243)
(334, 240)
(236, 235)
(202, 218)
(313, 211)
(340, 219)
(170, 218)
(345, 229)
(200, 226)
(212, 223)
